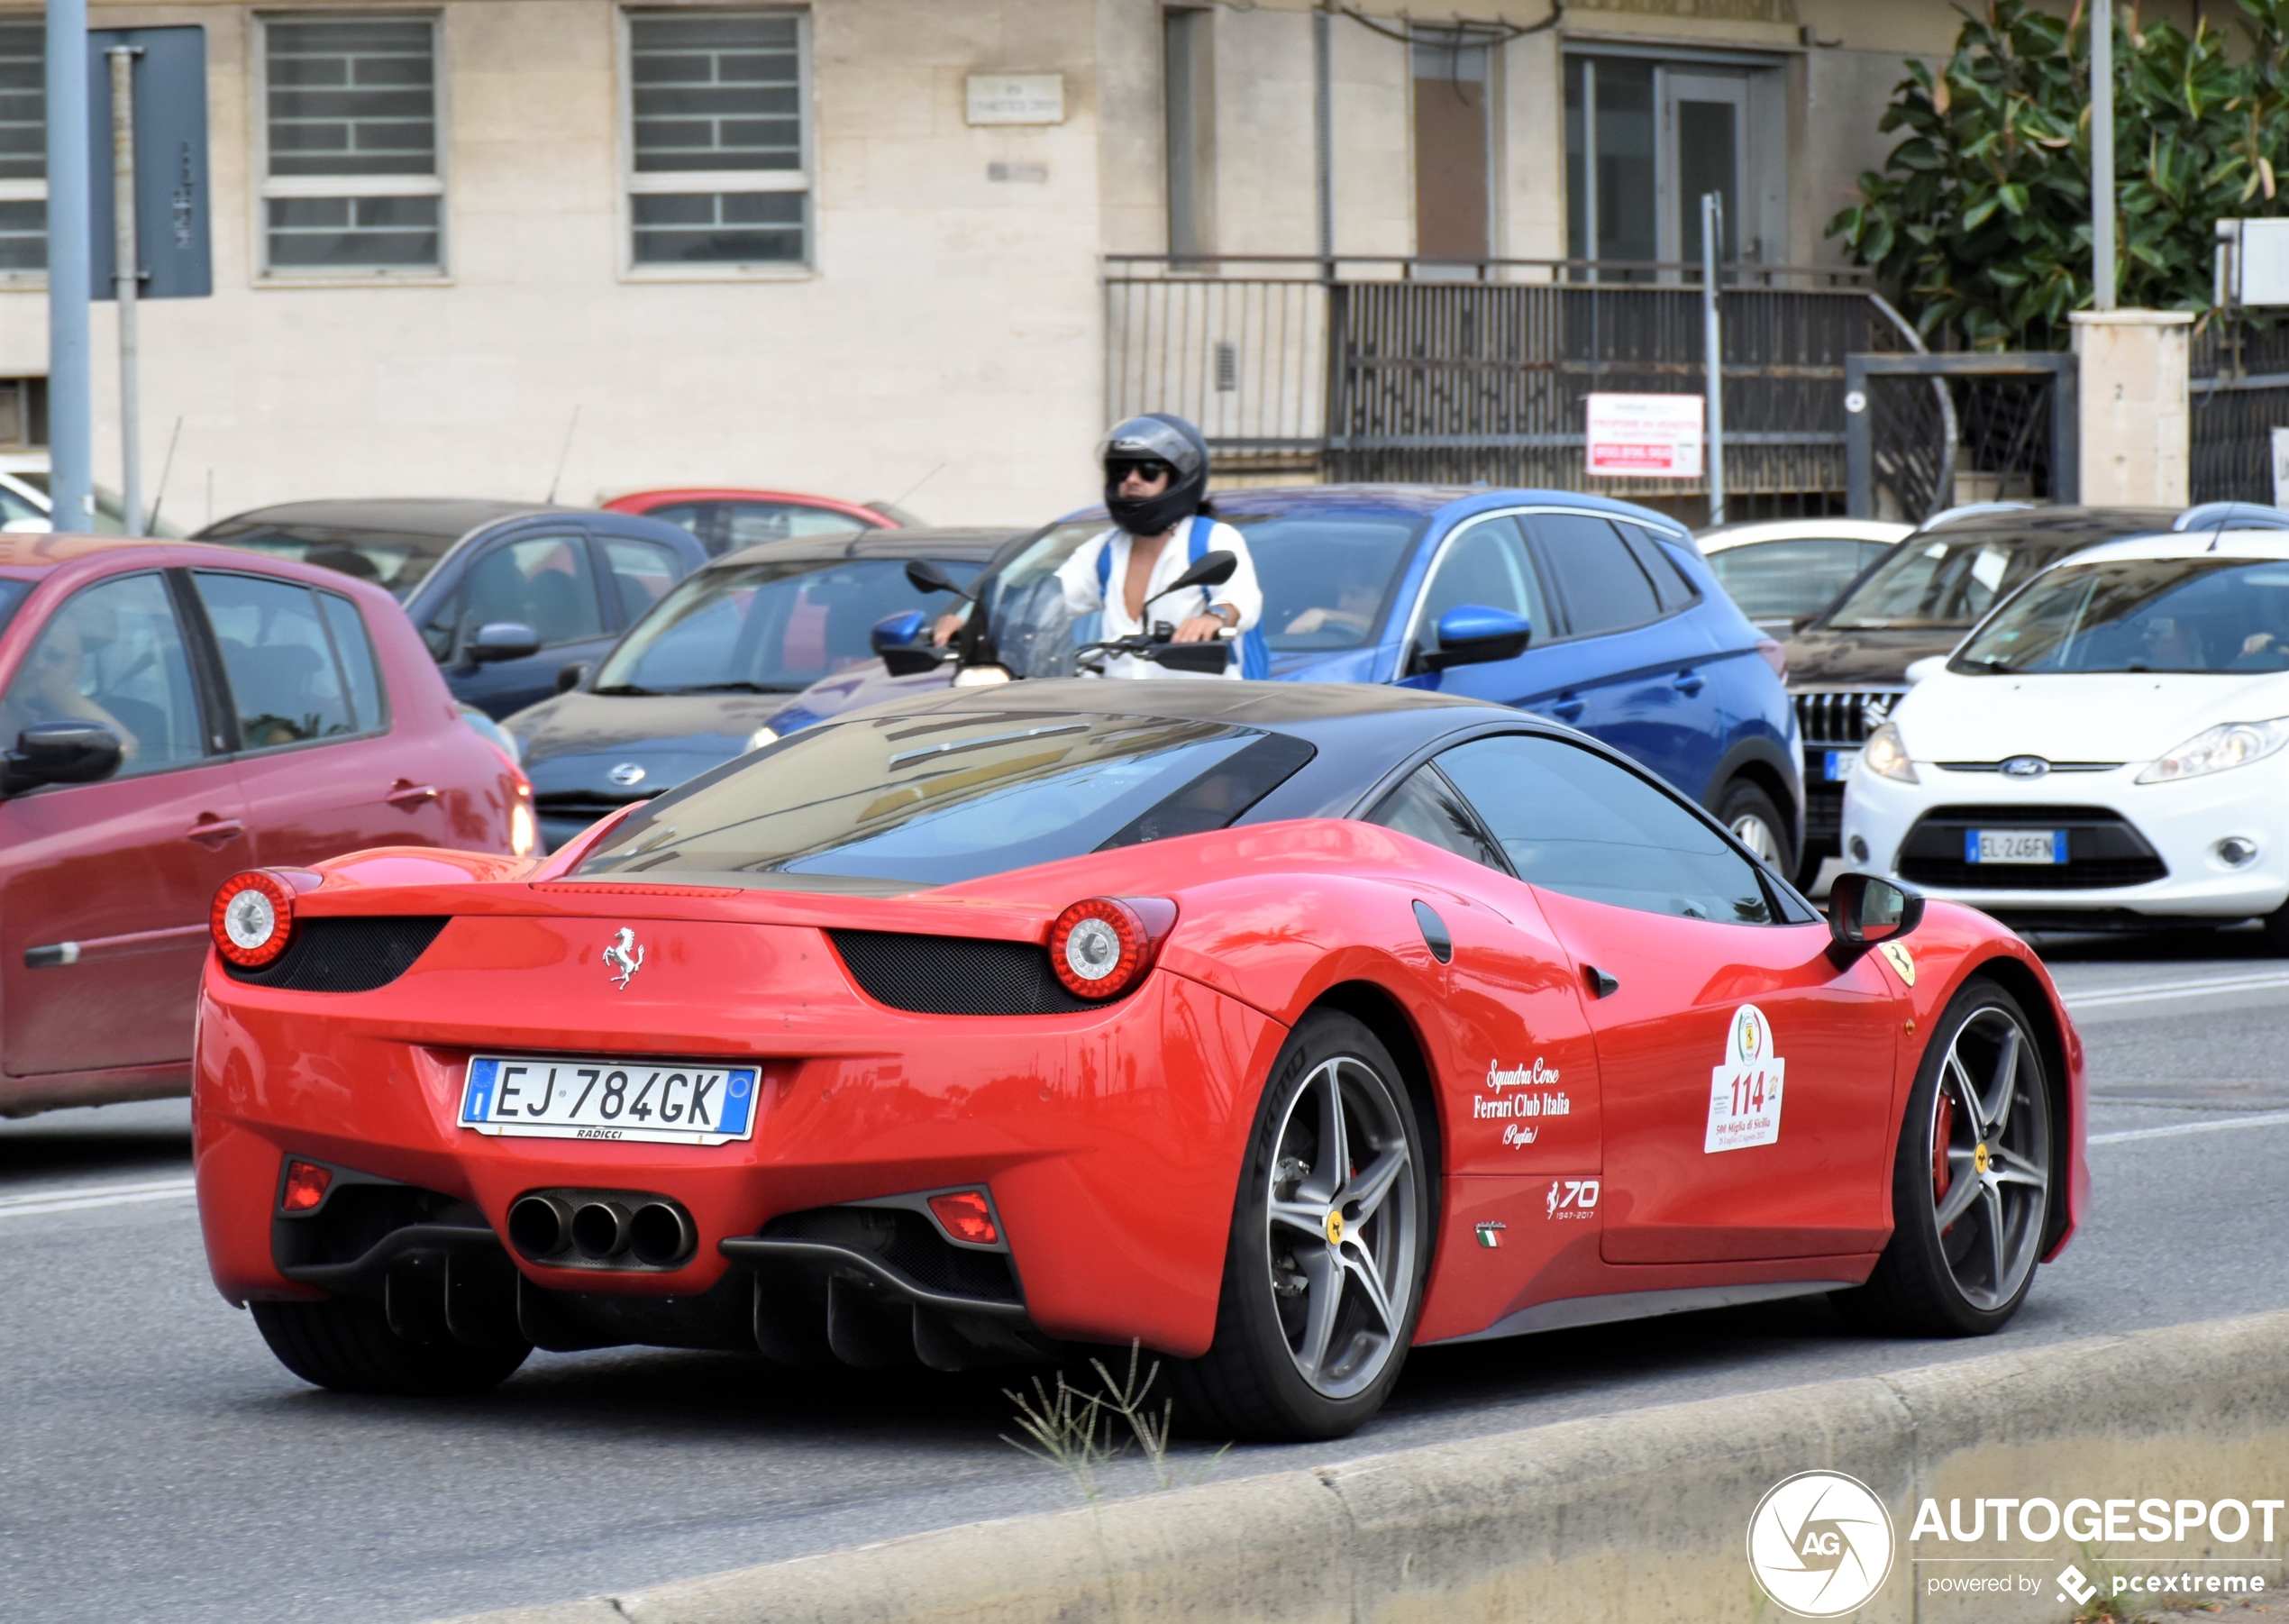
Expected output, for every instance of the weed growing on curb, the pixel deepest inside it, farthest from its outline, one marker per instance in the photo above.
(1080, 1432)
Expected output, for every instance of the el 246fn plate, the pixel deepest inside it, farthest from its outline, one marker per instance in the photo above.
(655, 1101)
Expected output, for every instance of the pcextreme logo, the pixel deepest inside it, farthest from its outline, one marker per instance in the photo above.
(1821, 1544)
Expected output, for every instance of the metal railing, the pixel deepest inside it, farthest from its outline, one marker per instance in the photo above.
(2239, 374)
(1372, 368)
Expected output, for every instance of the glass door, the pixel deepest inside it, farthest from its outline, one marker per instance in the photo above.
(1705, 134)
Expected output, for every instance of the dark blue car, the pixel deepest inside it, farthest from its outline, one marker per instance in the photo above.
(506, 594)
(1626, 633)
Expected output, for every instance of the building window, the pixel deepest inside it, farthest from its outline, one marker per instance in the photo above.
(1188, 42)
(23, 149)
(719, 151)
(1646, 140)
(351, 178)
(1454, 143)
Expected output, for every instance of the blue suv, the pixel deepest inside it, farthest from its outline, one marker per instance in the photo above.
(1593, 612)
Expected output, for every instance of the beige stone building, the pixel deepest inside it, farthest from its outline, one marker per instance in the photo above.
(861, 247)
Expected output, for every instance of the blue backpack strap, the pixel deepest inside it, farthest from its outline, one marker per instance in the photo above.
(1255, 653)
(1105, 564)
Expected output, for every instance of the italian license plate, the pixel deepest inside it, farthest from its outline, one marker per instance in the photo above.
(2045, 846)
(652, 1102)
(1839, 765)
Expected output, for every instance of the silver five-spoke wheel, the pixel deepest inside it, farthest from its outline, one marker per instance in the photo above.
(1342, 1228)
(1990, 1138)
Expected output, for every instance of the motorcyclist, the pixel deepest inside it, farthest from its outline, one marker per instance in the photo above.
(1156, 477)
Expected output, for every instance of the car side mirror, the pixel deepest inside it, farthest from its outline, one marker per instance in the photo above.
(60, 752)
(1473, 635)
(1931, 665)
(1864, 910)
(899, 631)
(571, 676)
(923, 575)
(503, 639)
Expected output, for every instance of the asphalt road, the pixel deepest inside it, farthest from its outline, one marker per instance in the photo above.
(160, 1466)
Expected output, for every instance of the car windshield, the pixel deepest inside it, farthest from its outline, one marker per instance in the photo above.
(396, 559)
(937, 800)
(1943, 581)
(769, 627)
(1328, 582)
(2215, 614)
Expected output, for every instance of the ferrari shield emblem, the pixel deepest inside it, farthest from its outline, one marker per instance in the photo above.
(1899, 958)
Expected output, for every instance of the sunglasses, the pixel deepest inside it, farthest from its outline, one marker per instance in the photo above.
(1147, 470)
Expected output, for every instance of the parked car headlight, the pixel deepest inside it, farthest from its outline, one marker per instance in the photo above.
(1885, 754)
(2215, 749)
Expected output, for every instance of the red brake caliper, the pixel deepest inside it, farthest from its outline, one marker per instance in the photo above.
(1943, 1133)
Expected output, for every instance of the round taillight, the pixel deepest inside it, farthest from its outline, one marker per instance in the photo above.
(1100, 948)
(252, 919)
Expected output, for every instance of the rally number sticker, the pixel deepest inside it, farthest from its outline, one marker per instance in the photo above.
(1744, 1092)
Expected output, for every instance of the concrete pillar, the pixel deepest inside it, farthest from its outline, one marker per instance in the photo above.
(2136, 425)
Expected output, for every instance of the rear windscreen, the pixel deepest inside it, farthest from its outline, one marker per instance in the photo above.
(934, 800)
(396, 559)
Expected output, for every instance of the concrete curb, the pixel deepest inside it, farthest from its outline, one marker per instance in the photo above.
(1639, 1516)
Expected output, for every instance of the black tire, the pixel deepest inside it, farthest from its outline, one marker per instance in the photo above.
(345, 1344)
(1757, 824)
(1252, 1384)
(1958, 1280)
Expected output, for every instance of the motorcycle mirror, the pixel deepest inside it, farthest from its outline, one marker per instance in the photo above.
(1213, 570)
(926, 576)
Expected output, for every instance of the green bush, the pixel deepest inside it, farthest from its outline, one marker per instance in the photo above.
(1980, 221)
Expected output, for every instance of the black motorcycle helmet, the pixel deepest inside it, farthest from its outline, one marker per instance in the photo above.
(1160, 438)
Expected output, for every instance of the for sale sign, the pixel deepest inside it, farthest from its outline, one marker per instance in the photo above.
(1646, 436)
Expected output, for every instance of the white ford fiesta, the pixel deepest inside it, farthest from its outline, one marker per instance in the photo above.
(2104, 751)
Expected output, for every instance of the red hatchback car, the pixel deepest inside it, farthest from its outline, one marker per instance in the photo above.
(724, 521)
(172, 713)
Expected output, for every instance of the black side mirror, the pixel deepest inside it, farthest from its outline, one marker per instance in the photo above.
(1475, 634)
(1864, 910)
(503, 639)
(1213, 570)
(571, 676)
(925, 576)
(60, 752)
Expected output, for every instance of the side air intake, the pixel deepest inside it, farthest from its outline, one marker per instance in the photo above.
(347, 955)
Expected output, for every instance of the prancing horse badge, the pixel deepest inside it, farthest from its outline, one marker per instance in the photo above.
(624, 955)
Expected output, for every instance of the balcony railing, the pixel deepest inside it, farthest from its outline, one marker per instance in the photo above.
(1362, 367)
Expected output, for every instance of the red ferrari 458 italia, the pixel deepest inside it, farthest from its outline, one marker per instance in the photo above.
(1275, 1027)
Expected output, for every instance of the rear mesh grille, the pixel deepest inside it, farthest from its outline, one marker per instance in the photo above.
(955, 975)
(909, 1244)
(345, 956)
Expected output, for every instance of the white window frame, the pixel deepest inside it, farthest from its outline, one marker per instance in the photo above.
(266, 186)
(632, 183)
(23, 191)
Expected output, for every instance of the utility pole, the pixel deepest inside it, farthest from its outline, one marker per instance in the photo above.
(2102, 154)
(1712, 346)
(71, 405)
(126, 278)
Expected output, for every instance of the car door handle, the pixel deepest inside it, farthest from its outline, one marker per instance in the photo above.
(1569, 709)
(407, 794)
(1690, 682)
(1601, 985)
(213, 832)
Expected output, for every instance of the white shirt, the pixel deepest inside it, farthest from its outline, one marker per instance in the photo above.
(1078, 577)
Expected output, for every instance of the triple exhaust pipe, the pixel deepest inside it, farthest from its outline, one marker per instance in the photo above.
(602, 1228)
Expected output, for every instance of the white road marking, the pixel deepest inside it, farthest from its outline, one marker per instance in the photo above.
(2100, 997)
(2214, 1126)
(83, 1197)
